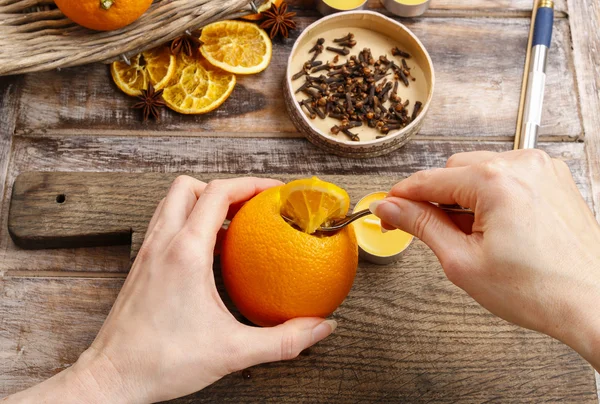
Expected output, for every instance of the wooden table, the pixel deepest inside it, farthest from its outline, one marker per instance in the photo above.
(54, 301)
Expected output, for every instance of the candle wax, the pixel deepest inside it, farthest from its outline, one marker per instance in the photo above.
(344, 4)
(369, 235)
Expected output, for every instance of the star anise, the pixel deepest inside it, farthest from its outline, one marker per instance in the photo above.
(151, 102)
(278, 20)
(188, 43)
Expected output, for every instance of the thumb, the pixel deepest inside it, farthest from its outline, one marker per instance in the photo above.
(423, 220)
(287, 340)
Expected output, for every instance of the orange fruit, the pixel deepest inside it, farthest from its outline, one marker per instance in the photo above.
(274, 272)
(155, 66)
(264, 7)
(197, 87)
(103, 15)
(236, 46)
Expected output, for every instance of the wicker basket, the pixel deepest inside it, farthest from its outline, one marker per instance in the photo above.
(36, 36)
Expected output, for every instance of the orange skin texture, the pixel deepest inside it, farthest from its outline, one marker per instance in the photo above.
(274, 273)
(90, 14)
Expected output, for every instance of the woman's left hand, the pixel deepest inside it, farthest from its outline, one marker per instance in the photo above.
(169, 333)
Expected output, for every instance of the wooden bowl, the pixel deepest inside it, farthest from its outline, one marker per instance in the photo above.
(381, 34)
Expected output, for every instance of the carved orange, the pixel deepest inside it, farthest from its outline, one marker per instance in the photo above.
(274, 272)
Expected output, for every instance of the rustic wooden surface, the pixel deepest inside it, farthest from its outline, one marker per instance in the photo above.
(242, 156)
(585, 27)
(478, 70)
(406, 334)
(75, 209)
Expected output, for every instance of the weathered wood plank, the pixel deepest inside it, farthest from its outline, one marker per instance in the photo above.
(226, 156)
(66, 209)
(405, 334)
(9, 92)
(479, 65)
(585, 23)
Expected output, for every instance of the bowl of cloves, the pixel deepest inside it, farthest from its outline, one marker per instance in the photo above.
(358, 84)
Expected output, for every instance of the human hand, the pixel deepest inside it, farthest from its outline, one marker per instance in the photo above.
(532, 256)
(169, 333)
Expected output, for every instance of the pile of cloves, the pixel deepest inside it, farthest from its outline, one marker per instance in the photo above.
(363, 90)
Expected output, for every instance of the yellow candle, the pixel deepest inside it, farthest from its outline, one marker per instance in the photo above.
(370, 237)
(344, 4)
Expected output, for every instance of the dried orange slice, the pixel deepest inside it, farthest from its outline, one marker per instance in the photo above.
(197, 87)
(312, 202)
(155, 66)
(264, 7)
(236, 46)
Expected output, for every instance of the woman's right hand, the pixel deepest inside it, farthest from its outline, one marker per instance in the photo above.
(532, 255)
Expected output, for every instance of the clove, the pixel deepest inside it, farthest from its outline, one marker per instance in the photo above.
(318, 46)
(299, 74)
(398, 52)
(348, 44)
(310, 111)
(348, 37)
(416, 110)
(353, 136)
(339, 51)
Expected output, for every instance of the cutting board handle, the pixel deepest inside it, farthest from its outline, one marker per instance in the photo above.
(65, 210)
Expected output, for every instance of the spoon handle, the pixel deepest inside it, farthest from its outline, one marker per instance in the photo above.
(362, 213)
(454, 209)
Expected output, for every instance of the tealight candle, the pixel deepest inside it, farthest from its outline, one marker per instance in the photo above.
(374, 245)
(406, 8)
(327, 7)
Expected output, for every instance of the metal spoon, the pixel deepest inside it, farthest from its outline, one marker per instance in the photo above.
(341, 223)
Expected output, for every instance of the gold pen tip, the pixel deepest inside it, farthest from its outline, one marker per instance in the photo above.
(546, 3)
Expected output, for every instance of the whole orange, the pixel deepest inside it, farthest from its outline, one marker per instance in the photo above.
(274, 272)
(103, 15)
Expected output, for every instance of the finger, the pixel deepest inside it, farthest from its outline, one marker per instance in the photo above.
(443, 185)
(154, 218)
(179, 203)
(426, 222)
(212, 207)
(219, 242)
(463, 222)
(470, 158)
(285, 341)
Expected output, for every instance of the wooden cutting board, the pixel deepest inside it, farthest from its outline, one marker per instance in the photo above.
(406, 333)
(66, 210)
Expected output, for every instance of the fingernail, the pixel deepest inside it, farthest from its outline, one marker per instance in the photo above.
(387, 211)
(373, 206)
(384, 230)
(323, 330)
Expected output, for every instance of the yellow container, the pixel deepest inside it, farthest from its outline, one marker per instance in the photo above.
(327, 7)
(406, 8)
(374, 245)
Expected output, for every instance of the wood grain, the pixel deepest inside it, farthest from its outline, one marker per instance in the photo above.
(585, 26)
(405, 334)
(9, 92)
(585, 23)
(227, 156)
(479, 64)
(463, 8)
(67, 210)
